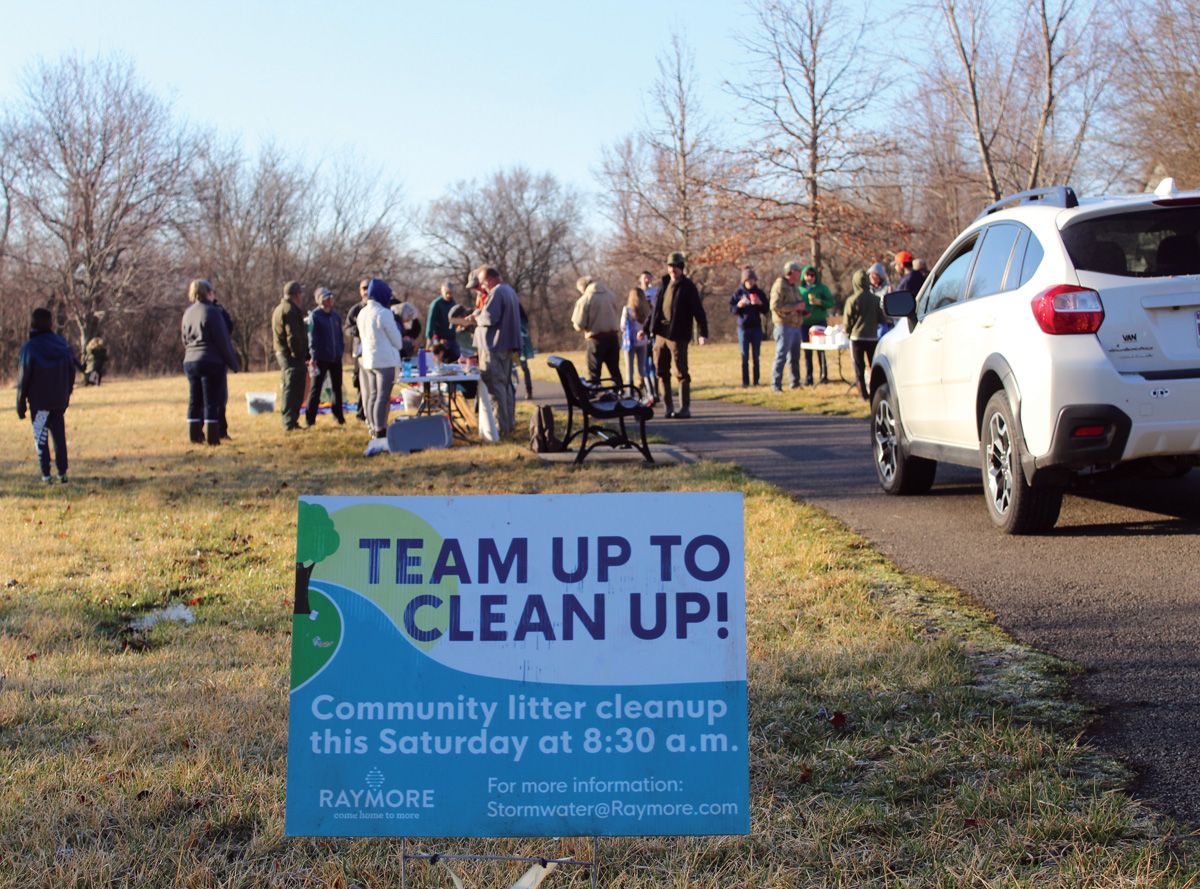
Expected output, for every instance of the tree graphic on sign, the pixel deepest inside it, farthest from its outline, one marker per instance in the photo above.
(316, 539)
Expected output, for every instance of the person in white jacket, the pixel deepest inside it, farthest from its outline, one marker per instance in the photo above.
(381, 344)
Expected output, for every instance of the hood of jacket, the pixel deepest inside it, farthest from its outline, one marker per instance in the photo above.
(47, 348)
(379, 291)
(804, 272)
(860, 281)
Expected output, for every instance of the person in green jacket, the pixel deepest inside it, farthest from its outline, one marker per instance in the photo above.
(291, 351)
(863, 316)
(819, 301)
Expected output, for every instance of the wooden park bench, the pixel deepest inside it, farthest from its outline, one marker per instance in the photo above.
(597, 406)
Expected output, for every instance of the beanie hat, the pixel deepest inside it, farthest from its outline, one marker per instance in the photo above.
(748, 273)
(677, 260)
(791, 266)
(878, 269)
(380, 292)
(904, 258)
(291, 287)
(322, 294)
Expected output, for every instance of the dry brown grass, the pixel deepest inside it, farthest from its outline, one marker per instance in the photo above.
(158, 758)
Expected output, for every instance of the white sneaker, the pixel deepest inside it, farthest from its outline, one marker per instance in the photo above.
(375, 447)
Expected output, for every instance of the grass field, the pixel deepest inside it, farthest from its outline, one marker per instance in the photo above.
(156, 757)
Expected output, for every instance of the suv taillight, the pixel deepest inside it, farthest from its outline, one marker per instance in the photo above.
(1068, 309)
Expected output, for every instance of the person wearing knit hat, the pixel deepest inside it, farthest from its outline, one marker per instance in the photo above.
(326, 345)
(291, 351)
(904, 269)
(749, 304)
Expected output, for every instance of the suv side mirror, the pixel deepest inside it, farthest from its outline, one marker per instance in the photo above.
(899, 304)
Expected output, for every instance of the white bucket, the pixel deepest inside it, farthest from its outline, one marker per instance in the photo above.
(411, 397)
(260, 403)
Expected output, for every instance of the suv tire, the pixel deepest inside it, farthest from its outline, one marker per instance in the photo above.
(897, 470)
(1014, 506)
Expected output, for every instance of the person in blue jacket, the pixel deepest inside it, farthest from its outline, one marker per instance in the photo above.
(325, 346)
(45, 378)
(751, 305)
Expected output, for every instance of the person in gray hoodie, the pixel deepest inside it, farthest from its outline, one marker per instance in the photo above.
(207, 353)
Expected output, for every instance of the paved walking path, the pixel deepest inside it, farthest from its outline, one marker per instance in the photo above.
(1114, 588)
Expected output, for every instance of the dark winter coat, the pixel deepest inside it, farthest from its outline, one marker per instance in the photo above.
(749, 317)
(325, 341)
(206, 336)
(45, 373)
(686, 311)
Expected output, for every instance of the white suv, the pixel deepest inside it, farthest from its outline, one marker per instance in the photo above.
(1054, 336)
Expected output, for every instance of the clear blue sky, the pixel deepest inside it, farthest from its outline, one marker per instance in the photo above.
(430, 92)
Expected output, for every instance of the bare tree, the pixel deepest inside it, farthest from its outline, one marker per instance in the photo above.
(528, 226)
(243, 232)
(1158, 126)
(808, 91)
(661, 184)
(98, 171)
(1028, 109)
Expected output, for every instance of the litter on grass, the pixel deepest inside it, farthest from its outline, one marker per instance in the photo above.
(179, 613)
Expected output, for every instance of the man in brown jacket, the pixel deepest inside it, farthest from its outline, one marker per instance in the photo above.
(291, 351)
(676, 312)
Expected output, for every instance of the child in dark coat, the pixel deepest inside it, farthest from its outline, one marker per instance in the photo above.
(45, 378)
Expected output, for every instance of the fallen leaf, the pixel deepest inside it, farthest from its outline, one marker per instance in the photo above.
(31, 657)
(195, 601)
(838, 719)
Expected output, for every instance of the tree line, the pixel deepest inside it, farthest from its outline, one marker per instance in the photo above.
(850, 145)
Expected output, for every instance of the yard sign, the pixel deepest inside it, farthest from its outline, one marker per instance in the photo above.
(519, 666)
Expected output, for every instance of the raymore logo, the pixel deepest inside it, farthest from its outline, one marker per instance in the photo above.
(374, 796)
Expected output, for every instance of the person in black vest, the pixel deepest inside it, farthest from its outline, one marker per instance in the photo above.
(677, 311)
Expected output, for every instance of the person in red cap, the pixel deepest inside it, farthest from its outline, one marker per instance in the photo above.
(909, 280)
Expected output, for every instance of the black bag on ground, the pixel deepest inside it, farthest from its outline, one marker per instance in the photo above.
(542, 439)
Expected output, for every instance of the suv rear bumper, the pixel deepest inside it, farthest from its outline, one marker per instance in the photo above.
(1068, 450)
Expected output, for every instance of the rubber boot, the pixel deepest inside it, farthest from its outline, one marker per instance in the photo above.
(195, 432)
(668, 399)
(212, 432)
(685, 400)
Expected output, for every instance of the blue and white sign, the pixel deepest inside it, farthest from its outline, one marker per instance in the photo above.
(546, 665)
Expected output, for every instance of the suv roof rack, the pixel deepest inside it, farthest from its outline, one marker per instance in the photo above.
(1055, 195)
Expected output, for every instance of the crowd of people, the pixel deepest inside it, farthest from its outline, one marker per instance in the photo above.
(652, 329)
(799, 303)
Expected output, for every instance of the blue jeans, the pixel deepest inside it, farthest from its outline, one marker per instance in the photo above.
(787, 348)
(750, 343)
(206, 391)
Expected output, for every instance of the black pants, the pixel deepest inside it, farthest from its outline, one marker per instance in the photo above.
(863, 353)
(207, 391)
(47, 425)
(604, 349)
(332, 369)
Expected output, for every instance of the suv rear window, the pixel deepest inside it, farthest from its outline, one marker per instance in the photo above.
(1142, 244)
